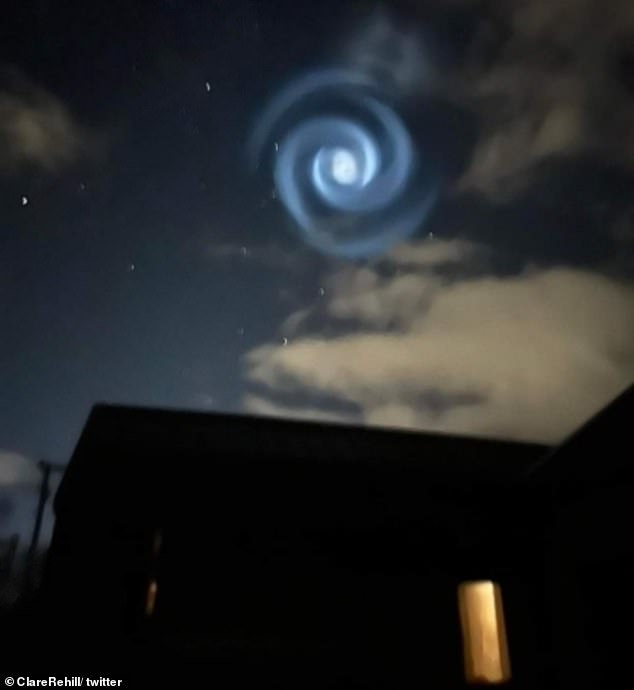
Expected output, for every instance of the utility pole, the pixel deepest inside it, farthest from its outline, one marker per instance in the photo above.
(46, 468)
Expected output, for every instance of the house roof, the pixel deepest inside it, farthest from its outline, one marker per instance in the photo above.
(132, 443)
(602, 450)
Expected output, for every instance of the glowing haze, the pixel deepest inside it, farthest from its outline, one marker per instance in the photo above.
(343, 161)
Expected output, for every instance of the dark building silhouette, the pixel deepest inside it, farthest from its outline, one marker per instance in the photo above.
(588, 486)
(268, 553)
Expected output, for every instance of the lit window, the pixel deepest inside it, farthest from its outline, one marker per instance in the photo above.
(150, 599)
(486, 656)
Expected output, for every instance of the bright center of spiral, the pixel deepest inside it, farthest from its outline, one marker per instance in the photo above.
(344, 167)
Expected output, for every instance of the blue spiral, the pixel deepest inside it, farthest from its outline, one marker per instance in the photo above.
(344, 164)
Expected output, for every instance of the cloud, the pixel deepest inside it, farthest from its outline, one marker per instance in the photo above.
(259, 405)
(526, 357)
(433, 254)
(366, 294)
(16, 470)
(36, 129)
(555, 88)
(392, 52)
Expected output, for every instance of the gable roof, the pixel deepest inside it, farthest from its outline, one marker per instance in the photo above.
(121, 442)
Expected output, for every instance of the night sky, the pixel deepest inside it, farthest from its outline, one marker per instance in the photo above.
(142, 261)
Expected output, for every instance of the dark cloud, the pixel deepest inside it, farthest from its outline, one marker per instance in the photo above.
(547, 78)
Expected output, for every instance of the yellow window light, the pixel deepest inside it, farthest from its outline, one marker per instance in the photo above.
(485, 647)
(150, 599)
